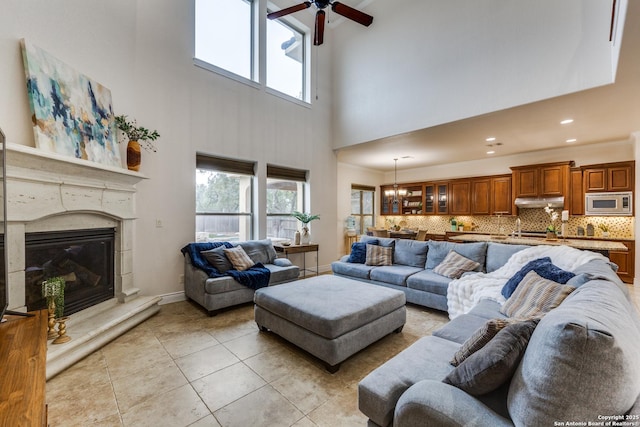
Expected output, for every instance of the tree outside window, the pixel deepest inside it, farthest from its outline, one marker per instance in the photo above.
(362, 203)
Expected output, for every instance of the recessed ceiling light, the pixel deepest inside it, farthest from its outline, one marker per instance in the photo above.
(491, 138)
(491, 152)
(571, 140)
(566, 121)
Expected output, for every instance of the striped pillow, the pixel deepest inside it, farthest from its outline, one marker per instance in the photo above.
(535, 296)
(379, 255)
(239, 258)
(454, 265)
(479, 339)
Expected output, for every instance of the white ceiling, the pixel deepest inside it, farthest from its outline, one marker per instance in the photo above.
(602, 114)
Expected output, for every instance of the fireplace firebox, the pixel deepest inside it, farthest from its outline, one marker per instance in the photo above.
(84, 258)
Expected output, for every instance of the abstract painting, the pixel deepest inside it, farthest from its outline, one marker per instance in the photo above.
(72, 115)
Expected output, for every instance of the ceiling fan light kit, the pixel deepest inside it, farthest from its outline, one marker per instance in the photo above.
(339, 8)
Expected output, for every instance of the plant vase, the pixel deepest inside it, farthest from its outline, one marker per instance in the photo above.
(62, 331)
(305, 236)
(51, 324)
(551, 235)
(134, 156)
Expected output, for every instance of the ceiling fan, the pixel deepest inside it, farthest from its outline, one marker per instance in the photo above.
(339, 8)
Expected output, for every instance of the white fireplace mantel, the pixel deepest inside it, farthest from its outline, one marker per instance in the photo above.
(49, 192)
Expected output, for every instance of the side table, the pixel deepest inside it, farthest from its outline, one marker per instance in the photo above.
(299, 249)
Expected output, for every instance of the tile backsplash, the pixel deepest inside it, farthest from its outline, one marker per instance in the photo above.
(531, 220)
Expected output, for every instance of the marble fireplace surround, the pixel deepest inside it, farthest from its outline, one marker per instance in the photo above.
(50, 192)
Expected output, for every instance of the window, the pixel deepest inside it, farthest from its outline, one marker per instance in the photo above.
(224, 35)
(224, 194)
(285, 59)
(362, 198)
(285, 194)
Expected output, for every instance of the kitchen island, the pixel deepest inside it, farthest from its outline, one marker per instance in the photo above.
(587, 244)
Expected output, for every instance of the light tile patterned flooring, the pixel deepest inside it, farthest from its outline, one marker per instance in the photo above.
(183, 368)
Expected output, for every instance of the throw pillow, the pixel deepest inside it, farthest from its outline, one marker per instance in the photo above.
(239, 258)
(535, 296)
(217, 259)
(495, 363)
(454, 264)
(282, 262)
(479, 339)
(543, 267)
(379, 255)
(359, 251)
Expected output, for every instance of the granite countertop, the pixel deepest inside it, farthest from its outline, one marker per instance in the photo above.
(590, 244)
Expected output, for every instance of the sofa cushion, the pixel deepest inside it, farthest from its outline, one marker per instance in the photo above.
(428, 281)
(281, 273)
(487, 309)
(410, 252)
(260, 251)
(535, 296)
(379, 255)
(595, 371)
(217, 259)
(282, 262)
(350, 269)
(461, 328)
(479, 339)
(378, 392)
(454, 265)
(382, 241)
(239, 258)
(438, 250)
(395, 274)
(499, 253)
(494, 364)
(543, 267)
(359, 251)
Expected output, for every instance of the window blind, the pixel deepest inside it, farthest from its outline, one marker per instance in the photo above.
(289, 174)
(204, 161)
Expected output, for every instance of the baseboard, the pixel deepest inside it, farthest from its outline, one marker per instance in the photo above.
(172, 297)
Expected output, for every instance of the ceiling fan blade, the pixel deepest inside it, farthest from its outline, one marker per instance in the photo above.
(288, 10)
(319, 34)
(351, 13)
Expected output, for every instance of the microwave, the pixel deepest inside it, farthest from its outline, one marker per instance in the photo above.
(616, 204)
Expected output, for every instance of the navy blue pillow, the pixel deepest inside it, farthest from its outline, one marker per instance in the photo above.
(544, 268)
(359, 251)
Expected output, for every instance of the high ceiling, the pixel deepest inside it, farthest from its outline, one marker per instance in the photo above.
(602, 114)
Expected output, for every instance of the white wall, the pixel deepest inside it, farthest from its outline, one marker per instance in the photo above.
(347, 176)
(406, 71)
(142, 50)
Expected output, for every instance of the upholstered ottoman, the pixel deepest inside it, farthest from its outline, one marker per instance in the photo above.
(330, 317)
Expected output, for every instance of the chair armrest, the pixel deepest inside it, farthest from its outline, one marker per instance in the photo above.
(344, 258)
(432, 402)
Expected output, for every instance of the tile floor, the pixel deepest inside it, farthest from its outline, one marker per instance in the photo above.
(183, 368)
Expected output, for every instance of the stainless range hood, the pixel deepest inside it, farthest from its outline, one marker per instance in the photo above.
(539, 202)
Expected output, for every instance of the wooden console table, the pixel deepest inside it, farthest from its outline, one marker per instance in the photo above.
(300, 249)
(23, 356)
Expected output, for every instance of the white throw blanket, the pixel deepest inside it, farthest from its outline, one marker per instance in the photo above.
(464, 293)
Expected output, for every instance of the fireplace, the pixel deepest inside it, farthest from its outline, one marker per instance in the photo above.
(84, 258)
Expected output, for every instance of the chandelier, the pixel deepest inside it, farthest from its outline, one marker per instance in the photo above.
(396, 191)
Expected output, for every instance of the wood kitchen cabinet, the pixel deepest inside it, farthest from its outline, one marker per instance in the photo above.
(412, 201)
(608, 177)
(576, 204)
(625, 261)
(543, 180)
(460, 197)
(442, 194)
(501, 201)
(481, 196)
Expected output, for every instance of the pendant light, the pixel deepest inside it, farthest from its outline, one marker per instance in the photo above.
(396, 190)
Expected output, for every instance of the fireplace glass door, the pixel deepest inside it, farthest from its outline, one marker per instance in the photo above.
(84, 258)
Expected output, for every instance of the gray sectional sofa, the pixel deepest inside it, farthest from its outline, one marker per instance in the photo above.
(215, 293)
(581, 365)
(413, 264)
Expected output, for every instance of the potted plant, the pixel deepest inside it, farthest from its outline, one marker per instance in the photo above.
(552, 230)
(305, 219)
(53, 292)
(454, 224)
(604, 228)
(136, 135)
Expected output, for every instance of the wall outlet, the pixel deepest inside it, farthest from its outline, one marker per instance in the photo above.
(181, 279)
(158, 223)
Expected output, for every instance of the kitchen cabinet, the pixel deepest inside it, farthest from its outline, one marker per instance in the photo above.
(501, 202)
(609, 177)
(460, 197)
(412, 201)
(389, 205)
(442, 194)
(481, 196)
(576, 204)
(625, 261)
(543, 180)
(429, 206)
